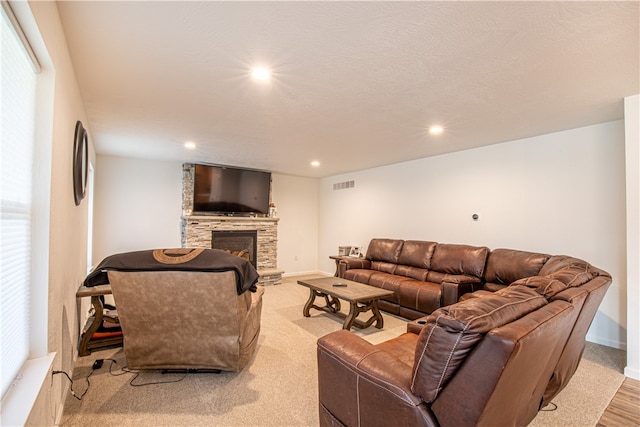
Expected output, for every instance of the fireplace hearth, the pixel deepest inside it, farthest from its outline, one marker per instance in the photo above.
(240, 243)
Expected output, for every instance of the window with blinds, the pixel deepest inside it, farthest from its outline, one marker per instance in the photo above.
(18, 109)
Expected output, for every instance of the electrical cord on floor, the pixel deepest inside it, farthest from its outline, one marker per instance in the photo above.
(73, 393)
(136, 374)
(97, 364)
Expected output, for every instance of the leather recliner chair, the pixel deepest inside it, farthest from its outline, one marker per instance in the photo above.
(180, 311)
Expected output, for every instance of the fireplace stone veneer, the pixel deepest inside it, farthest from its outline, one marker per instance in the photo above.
(196, 231)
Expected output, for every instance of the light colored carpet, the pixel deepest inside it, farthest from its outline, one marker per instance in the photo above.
(279, 387)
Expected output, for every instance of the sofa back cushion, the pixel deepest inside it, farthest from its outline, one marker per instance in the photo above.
(452, 332)
(505, 266)
(545, 286)
(570, 271)
(560, 273)
(417, 253)
(385, 250)
(459, 259)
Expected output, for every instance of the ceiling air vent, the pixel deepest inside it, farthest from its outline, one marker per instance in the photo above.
(344, 185)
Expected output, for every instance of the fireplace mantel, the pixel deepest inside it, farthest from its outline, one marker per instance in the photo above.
(230, 218)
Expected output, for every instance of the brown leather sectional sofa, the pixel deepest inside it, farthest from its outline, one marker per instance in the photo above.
(494, 358)
(428, 275)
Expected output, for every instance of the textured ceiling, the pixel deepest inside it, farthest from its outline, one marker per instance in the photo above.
(355, 84)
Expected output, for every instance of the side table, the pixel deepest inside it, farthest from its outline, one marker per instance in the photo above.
(337, 259)
(86, 342)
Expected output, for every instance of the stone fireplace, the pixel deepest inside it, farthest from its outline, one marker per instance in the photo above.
(239, 243)
(197, 231)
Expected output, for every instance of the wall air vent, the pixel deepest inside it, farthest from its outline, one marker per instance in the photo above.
(344, 185)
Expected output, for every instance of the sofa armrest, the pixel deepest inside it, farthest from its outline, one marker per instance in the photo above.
(349, 263)
(454, 286)
(415, 326)
(350, 367)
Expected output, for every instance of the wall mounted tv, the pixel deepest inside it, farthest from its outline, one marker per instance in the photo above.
(225, 190)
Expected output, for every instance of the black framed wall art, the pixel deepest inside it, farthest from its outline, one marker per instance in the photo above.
(80, 163)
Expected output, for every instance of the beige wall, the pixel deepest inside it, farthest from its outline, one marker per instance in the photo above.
(67, 264)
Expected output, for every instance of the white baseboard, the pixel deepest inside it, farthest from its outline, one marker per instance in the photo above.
(307, 273)
(606, 342)
(632, 373)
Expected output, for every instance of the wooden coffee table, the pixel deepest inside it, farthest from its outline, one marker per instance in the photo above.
(360, 297)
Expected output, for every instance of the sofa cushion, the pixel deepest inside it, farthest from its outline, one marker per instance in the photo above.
(412, 272)
(435, 276)
(505, 266)
(493, 287)
(400, 348)
(551, 285)
(418, 295)
(387, 250)
(459, 259)
(389, 282)
(559, 273)
(417, 253)
(544, 285)
(452, 332)
(359, 275)
(565, 268)
(385, 267)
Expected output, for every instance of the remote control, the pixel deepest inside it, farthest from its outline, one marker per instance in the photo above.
(340, 284)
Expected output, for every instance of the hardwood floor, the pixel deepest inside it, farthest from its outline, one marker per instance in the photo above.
(624, 409)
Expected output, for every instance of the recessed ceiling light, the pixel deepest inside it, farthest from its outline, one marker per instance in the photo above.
(260, 73)
(315, 163)
(189, 145)
(435, 129)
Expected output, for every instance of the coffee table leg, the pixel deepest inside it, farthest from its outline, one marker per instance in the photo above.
(332, 304)
(309, 304)
(377, 314)
(355, 309)
(353, 313)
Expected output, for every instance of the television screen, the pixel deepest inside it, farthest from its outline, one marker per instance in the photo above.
(225, 190)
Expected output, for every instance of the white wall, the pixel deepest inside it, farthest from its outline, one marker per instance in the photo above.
(62, 271)
(297, 202)
(561, 193)
(138, 204)
(632, 156)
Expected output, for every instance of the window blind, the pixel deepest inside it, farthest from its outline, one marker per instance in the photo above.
(17, 127)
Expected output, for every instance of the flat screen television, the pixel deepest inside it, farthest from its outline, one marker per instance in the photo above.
(225, 190)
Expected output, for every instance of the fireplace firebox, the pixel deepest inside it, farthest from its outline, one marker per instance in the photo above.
(242, 243)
